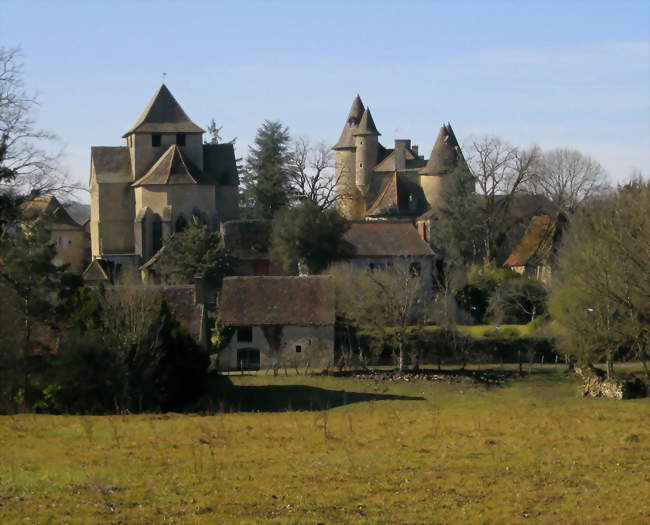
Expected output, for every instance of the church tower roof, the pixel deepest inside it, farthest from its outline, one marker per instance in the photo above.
(346, 140)
(367, 125)
(164, 115)
(445, 155)
(172, 168)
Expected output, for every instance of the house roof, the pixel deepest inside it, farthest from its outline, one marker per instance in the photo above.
(111, 164)
(536, 244)
(164, 115)
(173, 168)
(264, 300)
(392, 195)
(366, 125)
(247, 240)
(386, 238)
(48, 208)
(445, 155)
(346, 140)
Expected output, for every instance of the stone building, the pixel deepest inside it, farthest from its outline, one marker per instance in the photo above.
(163, 178)
(66, 234)
(277, 321)
(378, 182)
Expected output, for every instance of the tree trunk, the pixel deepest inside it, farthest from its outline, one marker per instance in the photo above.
(610, 367)
(400, 359)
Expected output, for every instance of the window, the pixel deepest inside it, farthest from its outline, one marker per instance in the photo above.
(180, 139)
(298, 349)
(155, 141)
(415, 269)
(245, 334)
(181, 224)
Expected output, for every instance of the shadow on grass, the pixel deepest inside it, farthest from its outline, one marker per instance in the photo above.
(280, 398)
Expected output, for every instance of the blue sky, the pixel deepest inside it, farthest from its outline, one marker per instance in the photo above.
(555, 73)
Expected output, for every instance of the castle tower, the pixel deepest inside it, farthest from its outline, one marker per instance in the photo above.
(366, 140)
(345, 172)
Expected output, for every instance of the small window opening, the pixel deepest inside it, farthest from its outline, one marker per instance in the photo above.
(180, 139)
(155, 141)
(245, 334)
(298, 349)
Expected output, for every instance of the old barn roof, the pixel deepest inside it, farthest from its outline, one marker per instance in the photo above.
(383, 238)
(164, 115)
(264, 300)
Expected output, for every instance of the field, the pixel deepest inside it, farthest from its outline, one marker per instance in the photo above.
(530, 451)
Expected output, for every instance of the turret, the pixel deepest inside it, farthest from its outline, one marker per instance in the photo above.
(346, 160)
(366, 140)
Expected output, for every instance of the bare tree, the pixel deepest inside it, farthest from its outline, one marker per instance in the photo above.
(37, 170)
(500, 170)
(568, 178)
(312, 175)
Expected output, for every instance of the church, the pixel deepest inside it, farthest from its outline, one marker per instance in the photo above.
(161, 180)
(379, 183)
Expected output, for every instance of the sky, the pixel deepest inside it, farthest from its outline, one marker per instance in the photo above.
(559, 73)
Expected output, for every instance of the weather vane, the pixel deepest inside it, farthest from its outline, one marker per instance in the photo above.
(164, 75)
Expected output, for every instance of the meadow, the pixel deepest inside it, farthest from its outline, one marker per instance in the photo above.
(340, 450)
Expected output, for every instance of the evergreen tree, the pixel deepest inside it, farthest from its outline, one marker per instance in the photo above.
(308, 239)
(195, 252)
(266, 175)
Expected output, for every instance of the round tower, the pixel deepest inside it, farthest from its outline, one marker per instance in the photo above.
(366, 141)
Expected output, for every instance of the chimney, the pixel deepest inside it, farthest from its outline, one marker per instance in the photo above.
(401, 146)
(414, 150)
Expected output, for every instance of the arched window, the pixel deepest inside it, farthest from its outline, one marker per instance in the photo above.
(181, 224)
(156, 233)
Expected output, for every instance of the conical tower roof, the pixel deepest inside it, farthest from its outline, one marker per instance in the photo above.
(164, 115)
(445, 155)
(367, 125)
(346, 140)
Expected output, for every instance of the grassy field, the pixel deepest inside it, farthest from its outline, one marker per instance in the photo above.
(531, 451)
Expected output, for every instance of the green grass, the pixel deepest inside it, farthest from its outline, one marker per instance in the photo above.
(481, 331)
(530, 451)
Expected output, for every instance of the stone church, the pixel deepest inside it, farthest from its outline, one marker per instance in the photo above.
(389, 183)
(163, 178)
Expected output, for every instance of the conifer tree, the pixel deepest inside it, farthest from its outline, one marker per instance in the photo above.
(266, 174)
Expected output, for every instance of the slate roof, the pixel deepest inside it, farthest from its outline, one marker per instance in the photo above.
(366, 125)
(536, 244)
(445, 155)
(51, 211)
(111, 164)
(288, 301)
(392, 195)
(384, 238)
(247, 239)
(164, 115)
(346, 140)
(219, 164)
(173, 168)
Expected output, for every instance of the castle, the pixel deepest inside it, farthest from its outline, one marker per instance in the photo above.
(380, 183)
(161, 180)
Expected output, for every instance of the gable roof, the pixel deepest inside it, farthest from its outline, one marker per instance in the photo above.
(392, 195)
(536, 244)
(164, 115)
(346, 140)
(446, 154)
(367, 125)
(386, 238)
(111, 164)
(53, 213)
(264, 300)
(172, 168)
(95, 271)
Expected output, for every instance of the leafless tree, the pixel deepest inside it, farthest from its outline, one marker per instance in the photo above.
(37, 170)
(501, 170)
(568, 178)
(312, 175)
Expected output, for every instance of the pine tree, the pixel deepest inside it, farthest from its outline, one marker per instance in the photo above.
(266, 175)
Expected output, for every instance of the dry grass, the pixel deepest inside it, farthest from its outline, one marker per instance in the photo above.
(528, 452)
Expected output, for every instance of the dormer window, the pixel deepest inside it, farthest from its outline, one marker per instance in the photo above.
(155, 141)
(180, 139)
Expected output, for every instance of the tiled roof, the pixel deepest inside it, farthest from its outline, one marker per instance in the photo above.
(392, 195)
(111, 164)
(48, 208)
(288, 301)
(164, 115)
(173, 168)
(95, 271)
(536, 244)
(446, 154)
(384, 238)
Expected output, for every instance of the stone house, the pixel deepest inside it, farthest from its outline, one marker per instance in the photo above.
(277, 321)
(163, 178)
(67, 235)
(379, 244)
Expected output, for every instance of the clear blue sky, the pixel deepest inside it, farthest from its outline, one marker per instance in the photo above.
(555, 73)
